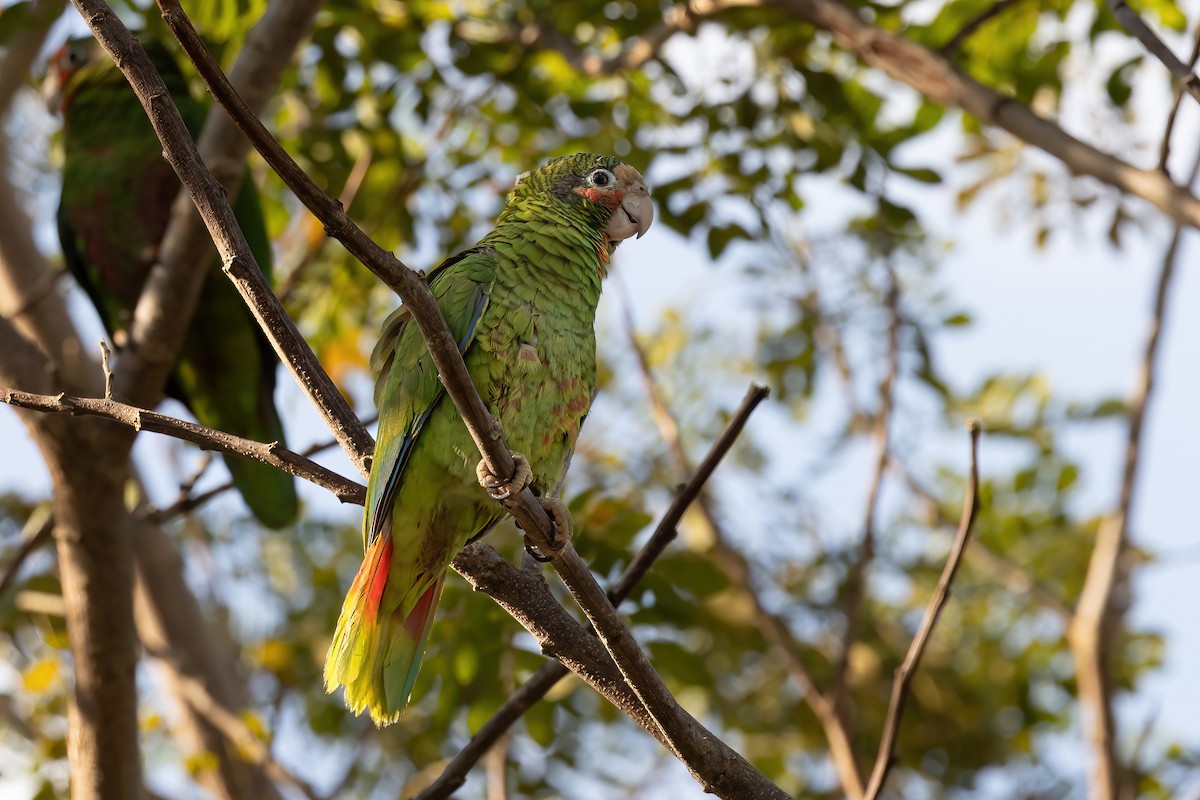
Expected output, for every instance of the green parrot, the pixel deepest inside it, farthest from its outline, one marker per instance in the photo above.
(116, 201)
(522, 305)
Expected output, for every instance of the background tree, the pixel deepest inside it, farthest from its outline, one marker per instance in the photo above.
(834, 162)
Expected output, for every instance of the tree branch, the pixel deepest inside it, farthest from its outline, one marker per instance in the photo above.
(1185, 79)
(1093, 627)
(939, 81)
(534, 689)
(891, 725)
(737, 568)
(141, 419)
(856, 588)
(527, 598)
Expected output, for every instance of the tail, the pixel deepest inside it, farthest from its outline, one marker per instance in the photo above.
(376, 654)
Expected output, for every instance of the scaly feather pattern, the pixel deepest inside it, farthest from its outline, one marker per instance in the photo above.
(116, 203)
(522, 306)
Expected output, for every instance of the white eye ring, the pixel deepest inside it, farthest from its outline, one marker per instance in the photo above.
(601, 178)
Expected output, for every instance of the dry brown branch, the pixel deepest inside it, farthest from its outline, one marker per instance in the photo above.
(1185, 79)
(534, 689)
(939, 81)
(1164, 148)
(737, 568)
(172, 288)
(904, 673)
(950, 49)
(1093, 627)
(1017, 578)
(141, 419)
(856, 588)
(528, 599)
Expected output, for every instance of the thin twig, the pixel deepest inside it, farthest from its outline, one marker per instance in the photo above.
(235, 729)
(108, 376)
(881, 422)
(1164, 148)
(737, 568)
(904, 674)
(272, 454)
(1017, 577)
(534, 689)
(950, 49)
(1185, 79)
(33, 541)
(1092, 629)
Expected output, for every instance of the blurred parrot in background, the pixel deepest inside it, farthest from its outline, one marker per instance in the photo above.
(522, 305)
(116, 201)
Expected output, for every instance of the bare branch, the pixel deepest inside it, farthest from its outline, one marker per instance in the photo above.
(1164, 149)
(33, 541)
(950, 49)
(721, 771)
(881, 420)
(534, 689)
(1018, 578)
(1185, 79)
(737, 568)
(939, 81)
(210, 199)
(904, 673)
(141, 419)
(1093, 627)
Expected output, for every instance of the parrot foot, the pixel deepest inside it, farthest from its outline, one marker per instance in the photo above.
(561, 529)
(502, 490)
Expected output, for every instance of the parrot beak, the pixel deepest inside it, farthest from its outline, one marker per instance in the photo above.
(52, 90)
(636, 212)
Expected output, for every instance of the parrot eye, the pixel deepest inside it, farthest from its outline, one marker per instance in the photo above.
(601, 178)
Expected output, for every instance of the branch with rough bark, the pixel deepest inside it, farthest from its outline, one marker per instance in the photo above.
(141, 419)
(534, 689)
(1185, 79)
(941, 594)
(823, 705)
(1095, 623)
(528, 599)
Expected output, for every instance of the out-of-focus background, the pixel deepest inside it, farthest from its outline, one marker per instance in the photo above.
(888, 266)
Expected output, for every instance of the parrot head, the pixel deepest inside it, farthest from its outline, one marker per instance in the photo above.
(607, 194)
(68, 61)
(81, 64)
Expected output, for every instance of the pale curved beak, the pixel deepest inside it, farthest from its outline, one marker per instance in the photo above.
(634, 216)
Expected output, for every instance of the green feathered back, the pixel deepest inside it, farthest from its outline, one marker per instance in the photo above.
(116, 203)
(522, 306)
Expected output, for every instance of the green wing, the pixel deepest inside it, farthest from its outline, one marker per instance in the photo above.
(409, 390)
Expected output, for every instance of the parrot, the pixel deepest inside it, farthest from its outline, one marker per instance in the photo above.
(521, 304)
(117, 192)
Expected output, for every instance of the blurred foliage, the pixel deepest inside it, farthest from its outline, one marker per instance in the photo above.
(418, 115)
